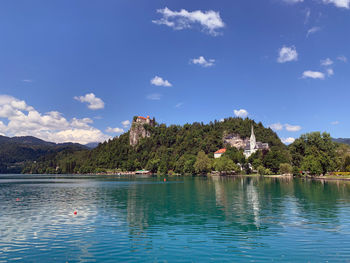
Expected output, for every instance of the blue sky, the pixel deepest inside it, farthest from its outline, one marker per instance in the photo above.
(75, 70)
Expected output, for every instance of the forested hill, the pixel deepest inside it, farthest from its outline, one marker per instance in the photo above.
(16, 151)
(342, 140)
(168, 148)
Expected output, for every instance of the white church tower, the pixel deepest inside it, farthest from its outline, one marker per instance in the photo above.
(252, 141)
(248, 151)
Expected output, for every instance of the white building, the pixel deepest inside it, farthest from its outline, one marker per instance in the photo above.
(253, 146)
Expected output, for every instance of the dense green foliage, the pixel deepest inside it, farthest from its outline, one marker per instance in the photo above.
(172, 148)
(314, 153)
(189, 149)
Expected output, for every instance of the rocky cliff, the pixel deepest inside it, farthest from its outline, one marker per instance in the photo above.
(138, 129)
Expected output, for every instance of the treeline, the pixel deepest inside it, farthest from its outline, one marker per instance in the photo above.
(170, 148)
(189, 149)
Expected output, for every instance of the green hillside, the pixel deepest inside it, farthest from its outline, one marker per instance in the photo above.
(16, 151)
(169, 148)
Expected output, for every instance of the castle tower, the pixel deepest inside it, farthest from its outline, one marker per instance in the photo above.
(252, 141)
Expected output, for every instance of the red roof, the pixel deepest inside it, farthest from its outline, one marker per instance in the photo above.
(140, 117)
(221, 151)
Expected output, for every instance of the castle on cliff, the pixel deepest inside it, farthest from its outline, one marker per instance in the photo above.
(138, 130)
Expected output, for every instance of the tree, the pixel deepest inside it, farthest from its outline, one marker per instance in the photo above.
(261, 170)
(224, 165)
(152, 165)
(314, 152)
(202, 164)
(286, 168)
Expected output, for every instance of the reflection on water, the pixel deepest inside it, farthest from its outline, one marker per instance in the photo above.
(183, 219)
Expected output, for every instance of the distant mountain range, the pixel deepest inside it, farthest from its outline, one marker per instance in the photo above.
(15, 151)
(92, 145)
(342, 140)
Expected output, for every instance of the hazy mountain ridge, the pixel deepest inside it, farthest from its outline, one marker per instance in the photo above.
(15, 151)
(342, 140)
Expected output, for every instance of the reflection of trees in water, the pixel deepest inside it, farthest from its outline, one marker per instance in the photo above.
(236, 204)
(318, 200)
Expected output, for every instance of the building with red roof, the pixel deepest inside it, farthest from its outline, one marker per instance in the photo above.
(220, 152)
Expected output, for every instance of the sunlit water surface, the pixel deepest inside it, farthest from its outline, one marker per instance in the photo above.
(180, 220)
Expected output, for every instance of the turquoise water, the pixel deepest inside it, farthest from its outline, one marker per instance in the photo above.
(181, 220)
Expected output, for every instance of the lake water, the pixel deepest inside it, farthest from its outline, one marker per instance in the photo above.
(180, 220)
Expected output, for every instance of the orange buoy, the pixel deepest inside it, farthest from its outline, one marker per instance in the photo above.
(75, 212)
(17, 200)
(164, 179)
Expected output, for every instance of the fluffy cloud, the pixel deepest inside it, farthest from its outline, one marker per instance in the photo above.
(326, 62)
(330, 72)
(203, 62)
(210, 21)
(114, 130)
(292, 128)
(313, 30)
(313, 74)
(242, 113)
(24, 120)
(342, 58)
(287, 54)
(288, 140)
(276, 126)
(335, 122)
(94, 103)
(126, 123)
(158, 81)
(338, 3)
(279, 127)
(154, 96)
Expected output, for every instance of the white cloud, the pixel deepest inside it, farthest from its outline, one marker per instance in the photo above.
(330, 72)
(154, 96)
(276, 126)
(126, 123)
(203, 62)
(288, 140)
(338, 3)
(313, 30)
(222, 120)
(241, 113)
(293, 1)
(158, 81)
(307, 16)
(94, 102)
(279, 127)
(335, 122)
(27, 80)
(326, 62)
(210, 21)
(114, 130)
(287, 54)
(81, 123)
(24, 120)
(313, 74)
(342, 58)
(179, 105)
(292, 128)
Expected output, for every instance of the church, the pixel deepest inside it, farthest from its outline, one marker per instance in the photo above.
(253, 146)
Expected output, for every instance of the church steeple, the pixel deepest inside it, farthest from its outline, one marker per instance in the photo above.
(252, 140)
